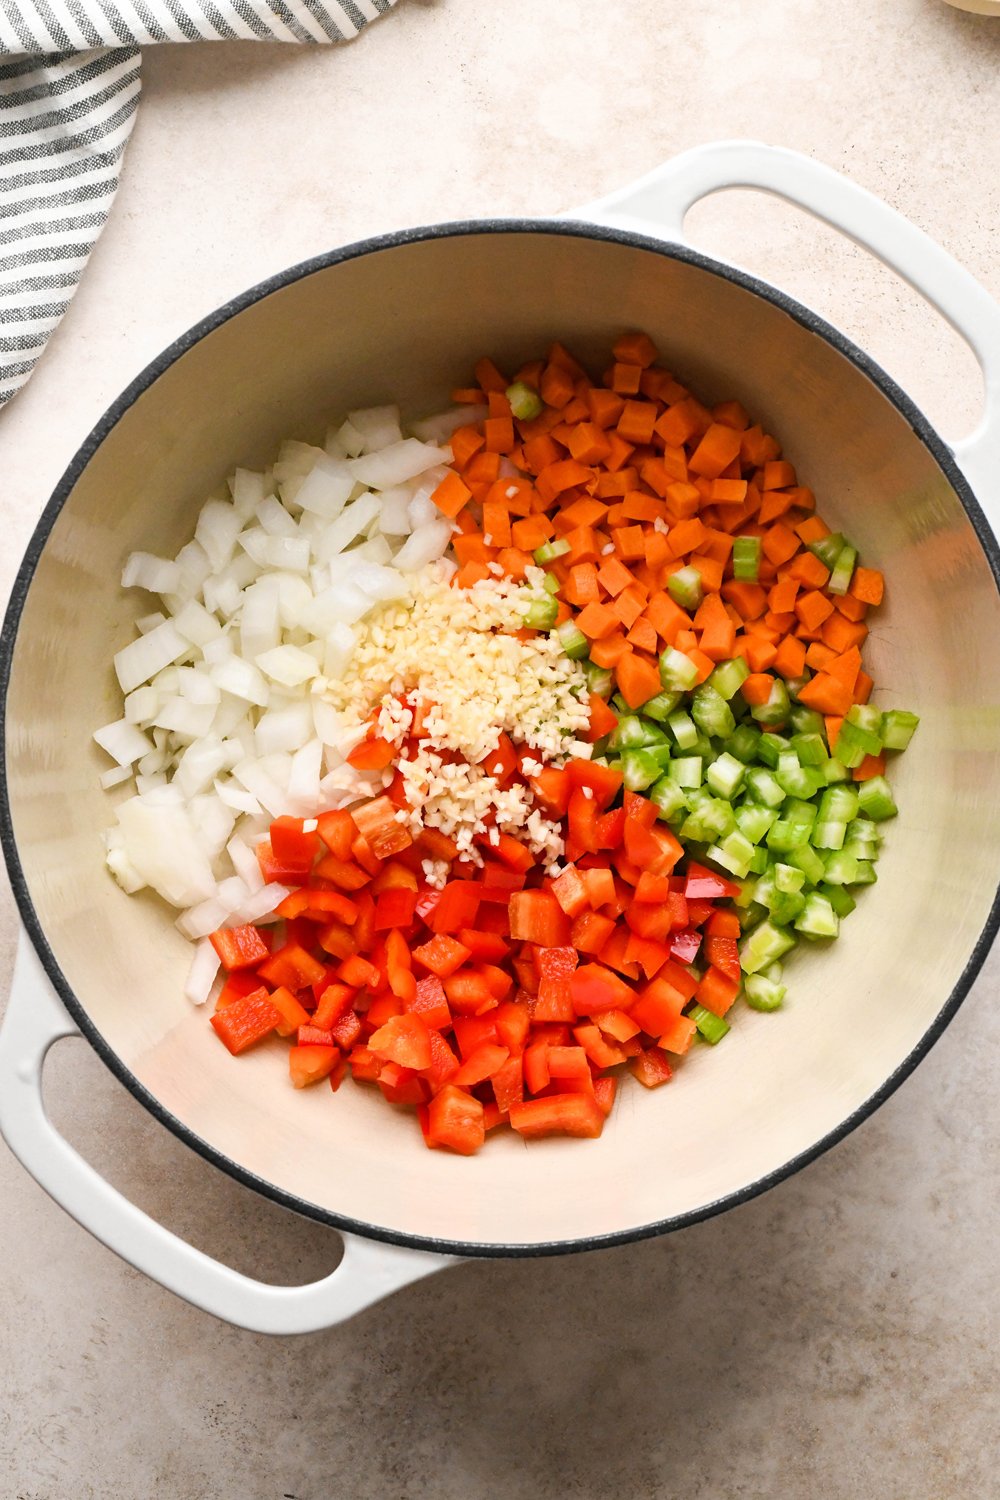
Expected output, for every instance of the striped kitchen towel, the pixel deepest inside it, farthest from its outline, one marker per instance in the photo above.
(69, 89)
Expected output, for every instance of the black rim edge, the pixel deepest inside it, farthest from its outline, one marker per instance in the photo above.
(923, 430)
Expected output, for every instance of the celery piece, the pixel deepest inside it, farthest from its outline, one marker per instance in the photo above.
(599, 680)
(788, 879)
(634, 733)
(760, 860)
(683, 729)
(686, 770)
(551, 584)
(828, 835)
(806, 859)
(770, 746)
(834, 771)
(807, 721)
(809, 748)
(743, 743)
(842, 901)
(668, 795)
(796, 780)
(710, 1026)
(838, 805)
(841, 868)
(677, 671)
(866, 873)
(661, 706)
(572, 640)
(762, 786)
(817, 918)
(829, 548)
(876, 800)
(525, 402)
(725, 775)
(549, 551)
(728, 677)
(753, 821)
(898, 725)
(711, 712)
(640, 770)
(541, 614)
(763, 945)
(746, 558)
(684, 588)
(784, 836)
(843, 570)
(763, 994)
(777, 707)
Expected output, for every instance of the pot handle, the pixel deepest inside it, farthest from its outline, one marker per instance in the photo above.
(369, 1270)
(657, 203)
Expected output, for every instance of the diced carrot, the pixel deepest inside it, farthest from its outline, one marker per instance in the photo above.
(791, 657)
(872, 765)
(779, 543)
(636, 422)
(717, 449)
(452, 494)
(609, 651)
(825, 694)
(813, 608)
(812, 529)
(757, 687)
(582, 587)
(614, 576)
(868, 585)
(638, 679)
(634, 349)
(596, 621)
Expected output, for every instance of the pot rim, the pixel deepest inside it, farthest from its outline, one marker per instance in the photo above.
(573, 229)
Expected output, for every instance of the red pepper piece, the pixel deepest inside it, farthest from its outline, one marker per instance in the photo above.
(239, 947)
(246, 1021)
(455, 1120)
(293, 967)
(292, 847)
(293, 1012)
(595, 988)
(394, 908)
(338, 831)
(405, 1040)
(442, 955)
(558, 1114)
(456, 907)
(430, 1003)
(508, 1085)
(482, 1064)
(536, 917)
(651, 1067)
(685, 945)
(308, 1064)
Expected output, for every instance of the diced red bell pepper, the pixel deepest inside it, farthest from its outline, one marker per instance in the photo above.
(346, 1030)
(403, 1085)
(444, 1063)
(536, 917)
(558, 1114)
(372, 754)
(468, 993)
(489, 947)
(652, 887)
(603, 781)
(651, 1067)
(658, 1007)
(570, 891)
(612, 955)
(333, 1002)
(704, 883)
(551, 788)
(685, 945)
(310, 1064)
(482, 1064)
(610, 829)
(508, 1084)
(397, 875)
(456, 907)
(358, 972)
(648, 920)
(535, 1062)
(717, 990)
(394, 908)
(364, 855)
(581, 823)
(569, 1063)
(239, 947)
(403, 1039)
(649, 954)
(722, 953)
(591, 932)
(274, 870)
(595, 988)
(723, 924)
(314, 1036)
(640, 808)
(472, 1032)
(246, 1021)
(601, 1052)
(512, 853)
(455, 1120)
(653, 849)
(616, 1024)
(502, 762)
(603, 720)
(497, 883)
(365, 1066)
(554, 999)
(442, 955)
(292, 847)
(680, 1036)
(338, 831)
(600, 883)
(604, 1094)
(293, 1012)
(338, 1072)
(512, 1020)
(337, 940)
(243, 982)
(430, 1003)
(346, 874)
(378, 825)
(293, 967)
(319, 906)
(398, 966)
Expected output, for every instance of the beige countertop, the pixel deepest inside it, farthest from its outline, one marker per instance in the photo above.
(838, 1336)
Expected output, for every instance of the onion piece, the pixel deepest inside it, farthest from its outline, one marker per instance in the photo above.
(202, 974)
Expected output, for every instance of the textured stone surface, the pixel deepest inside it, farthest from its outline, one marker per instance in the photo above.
(838, 1336)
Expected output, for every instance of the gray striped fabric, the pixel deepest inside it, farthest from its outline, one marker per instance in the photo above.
(69, 89)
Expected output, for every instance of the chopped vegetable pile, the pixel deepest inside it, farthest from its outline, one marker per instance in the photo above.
(493, 761)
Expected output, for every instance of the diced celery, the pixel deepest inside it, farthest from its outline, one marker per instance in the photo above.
(572, 640)
(788, 879)
(677, 671)
(777, 707)
(841, 869)
(828, 835)
(634, 733)
(763, 945)
(541, 614)
(809, 748)
(686, 770)
(782, 906)
(712, 819)
(842, 901)
(551, 584)
(898, 725)
(807, 721)
(549, 551)
(599, 680)
(668, 795)
(640, 770)
(735, 864)
(728, 677)
(849, 755)
(769, 747)
(838, 805)
(784, 836)
(711, 712)
(746, 558)
(762, 785)
(743, 743)
(818, 918)
(808, 861)
(797, 781)
(620, 707)
(525, 402)
(798, 811)
(725, 775)
(828, 548)
(866, 873)
(710, 1026)
(763, 994)
(843, 570)
(661, 706)
(744, 897)
(684, 587)
(753, 821)
(737, 849)
(760, 860)
(683, 729)
(834, 771)
(861, 729)
(876, 800)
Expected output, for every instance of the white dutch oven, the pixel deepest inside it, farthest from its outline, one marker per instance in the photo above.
(403, 318)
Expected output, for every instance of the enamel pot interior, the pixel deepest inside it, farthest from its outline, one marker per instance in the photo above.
(404, 320)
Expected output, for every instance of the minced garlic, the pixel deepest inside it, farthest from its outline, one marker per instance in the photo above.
(456, 652)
